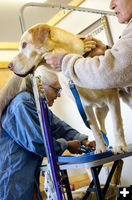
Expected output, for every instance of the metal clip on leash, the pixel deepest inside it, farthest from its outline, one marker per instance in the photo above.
(85, 149)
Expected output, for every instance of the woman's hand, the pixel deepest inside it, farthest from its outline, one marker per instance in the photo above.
(99, 50)
(89, 44)
(90, 144)
(54, 60)
(74, 147)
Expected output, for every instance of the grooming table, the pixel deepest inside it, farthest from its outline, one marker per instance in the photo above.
(96, 166)
(58, 166)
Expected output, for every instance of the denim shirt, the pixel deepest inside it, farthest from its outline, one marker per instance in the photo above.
(22, 147)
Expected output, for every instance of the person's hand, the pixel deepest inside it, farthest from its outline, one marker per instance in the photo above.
(89, 44)
(99, 50)
(90, 144)
(74, 147)
(54, 60)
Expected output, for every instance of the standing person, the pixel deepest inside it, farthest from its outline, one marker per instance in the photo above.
(22, 146)
(113, 69)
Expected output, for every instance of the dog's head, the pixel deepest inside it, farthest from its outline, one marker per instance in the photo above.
(40, 39)
(32, 46)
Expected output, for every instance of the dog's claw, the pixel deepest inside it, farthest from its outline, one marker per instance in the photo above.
(100, 148)
(120, 149)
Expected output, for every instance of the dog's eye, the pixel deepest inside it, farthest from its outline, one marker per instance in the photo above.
(24, 44)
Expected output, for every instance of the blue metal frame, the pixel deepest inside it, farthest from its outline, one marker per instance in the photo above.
(50, 147)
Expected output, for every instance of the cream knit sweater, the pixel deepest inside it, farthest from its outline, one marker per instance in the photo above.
(112, 70)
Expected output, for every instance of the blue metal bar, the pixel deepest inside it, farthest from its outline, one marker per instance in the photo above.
(50, 147)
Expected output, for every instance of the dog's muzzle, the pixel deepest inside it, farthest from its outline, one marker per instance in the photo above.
(11, 67)
(29, 72)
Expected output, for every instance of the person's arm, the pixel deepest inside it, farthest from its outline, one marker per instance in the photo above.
(21, 123)
(68, 137)
(111, 70)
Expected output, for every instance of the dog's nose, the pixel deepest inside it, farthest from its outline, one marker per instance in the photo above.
(10, 66)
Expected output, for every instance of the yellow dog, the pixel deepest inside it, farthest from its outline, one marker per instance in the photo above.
(42, 38)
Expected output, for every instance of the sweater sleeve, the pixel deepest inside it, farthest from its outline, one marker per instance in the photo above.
(112, 70)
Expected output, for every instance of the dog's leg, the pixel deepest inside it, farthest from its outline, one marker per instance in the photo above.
(126, 97)
(114, 107)
(101, 113)
(100, 143)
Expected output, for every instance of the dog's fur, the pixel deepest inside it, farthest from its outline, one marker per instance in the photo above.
(38, 40)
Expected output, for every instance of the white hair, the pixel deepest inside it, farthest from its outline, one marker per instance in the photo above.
(48, 77)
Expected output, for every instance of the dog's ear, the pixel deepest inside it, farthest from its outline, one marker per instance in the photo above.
(39, 34)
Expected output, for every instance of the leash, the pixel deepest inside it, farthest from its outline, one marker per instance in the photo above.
(81, 109)
(77, 97)
(78, 103)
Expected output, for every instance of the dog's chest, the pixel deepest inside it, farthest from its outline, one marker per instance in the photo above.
(92, 97)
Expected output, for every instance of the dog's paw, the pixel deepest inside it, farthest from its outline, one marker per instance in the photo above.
(100, 144)
(120, 145)
(100, 148)
(120, 149)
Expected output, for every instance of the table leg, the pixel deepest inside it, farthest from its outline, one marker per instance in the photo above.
(97, 183)
(67, 184)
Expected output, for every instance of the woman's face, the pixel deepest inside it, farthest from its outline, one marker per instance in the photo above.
(52, 92)
(122, 9)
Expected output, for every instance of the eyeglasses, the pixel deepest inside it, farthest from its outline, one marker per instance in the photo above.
(58, 91)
